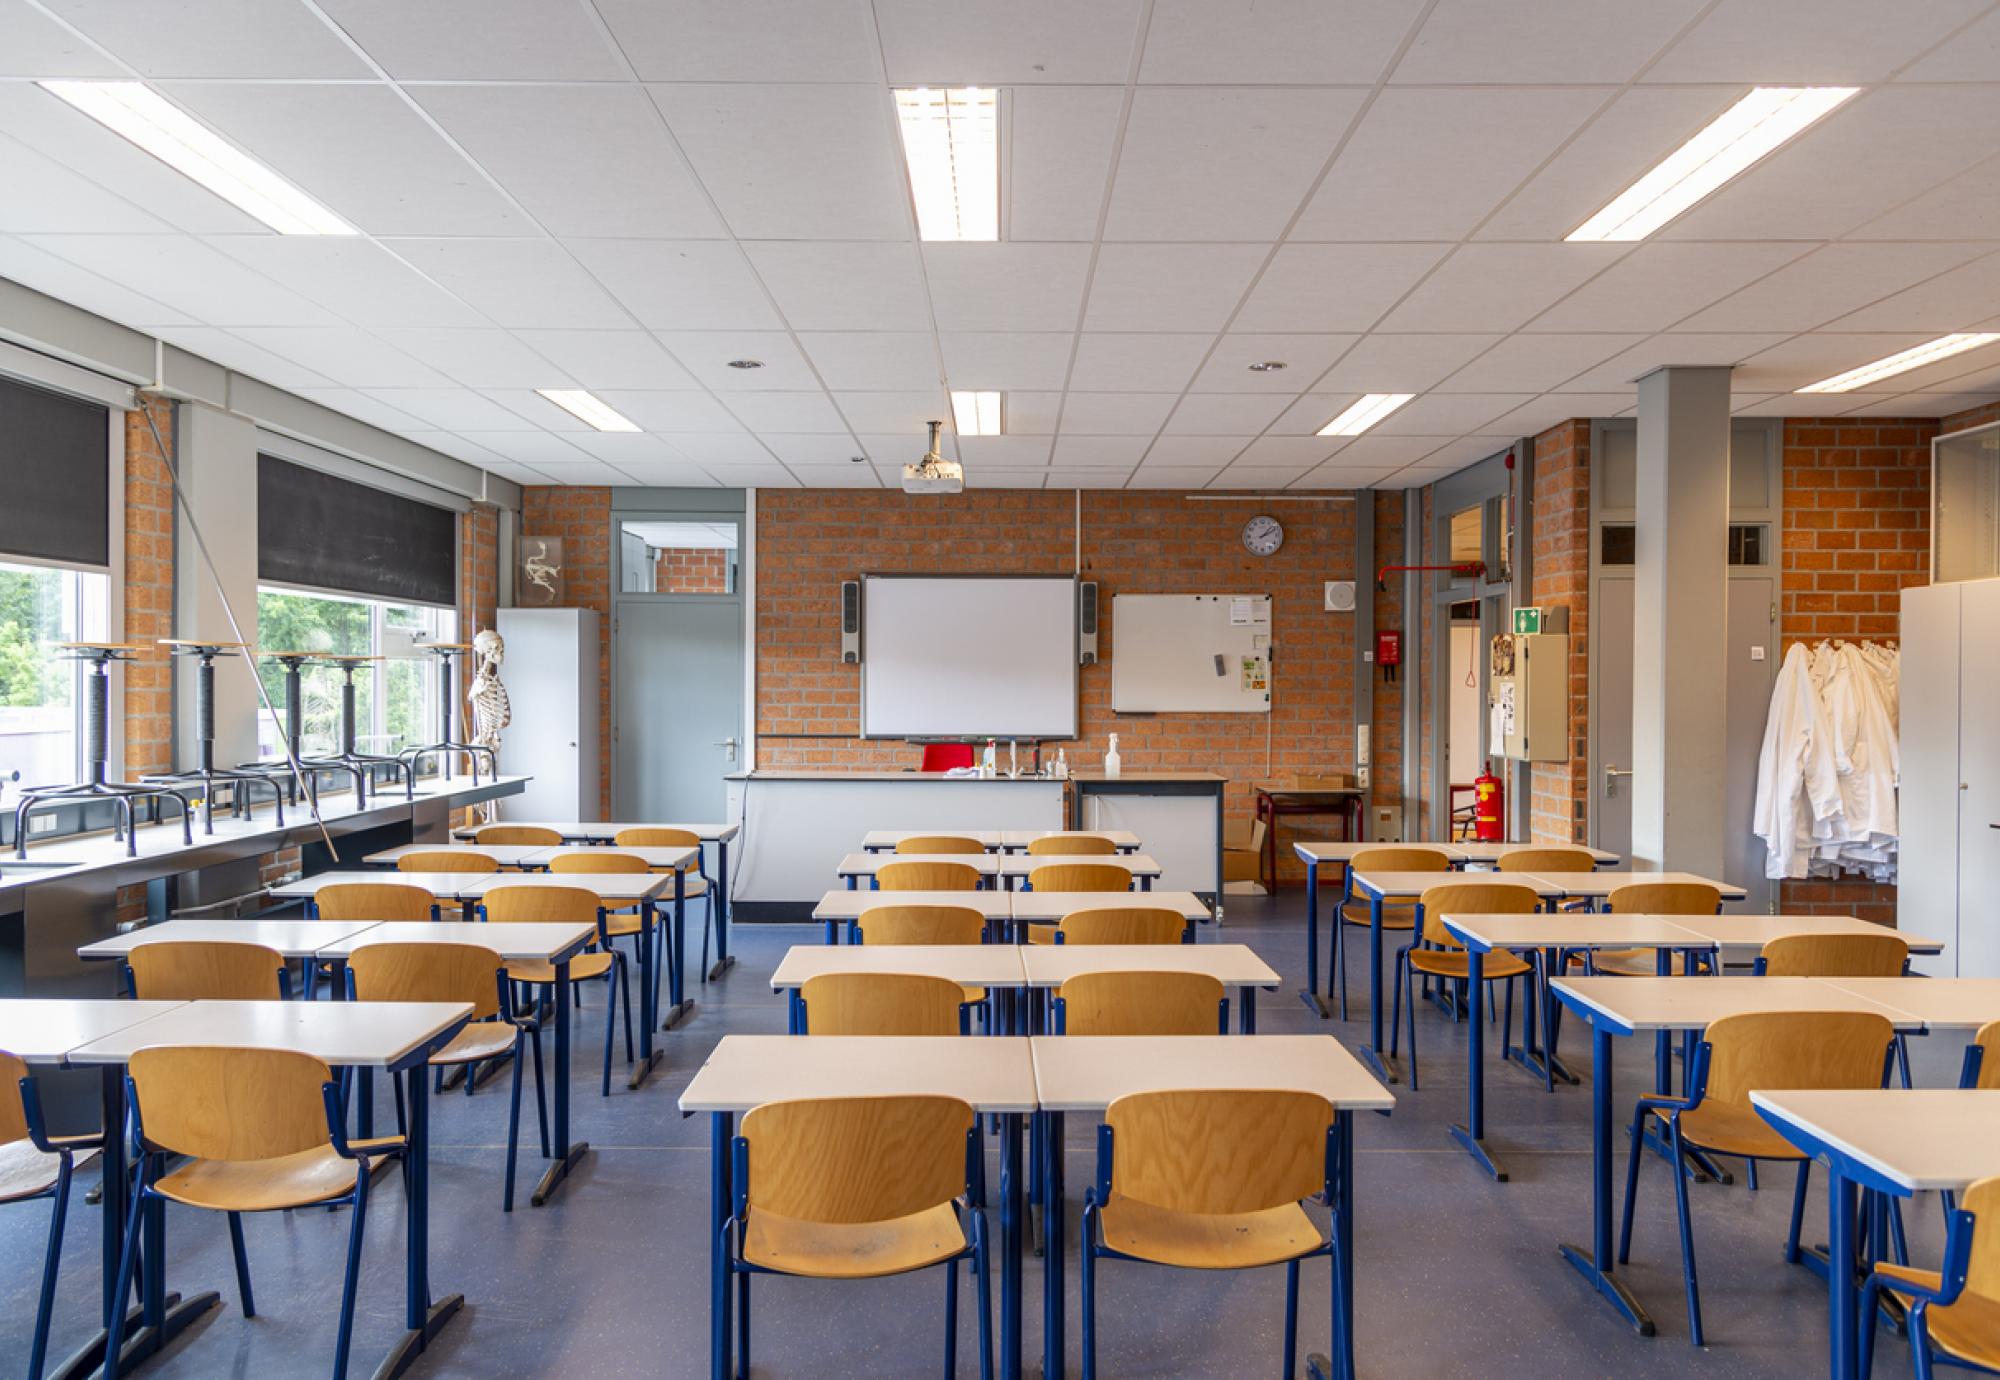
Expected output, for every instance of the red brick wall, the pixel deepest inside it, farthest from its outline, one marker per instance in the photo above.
(582, 518)
(1558, 807)
(691, 570)
(478, 569)
(1972, 417)
(149, 592)
(1386, 747)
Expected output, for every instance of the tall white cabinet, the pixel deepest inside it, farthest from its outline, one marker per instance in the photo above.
(1948, 883)
(553, 685)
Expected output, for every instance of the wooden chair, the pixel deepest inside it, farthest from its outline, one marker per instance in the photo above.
(1955, 1311)
(1073, 877)
(860, 1188)
(377, 901)
(927, 876)
(206, 970)
(448, 860)
(1738, 1053)
(34, 1164)
(939, 843)
(1396, 915)
(458, 973)
(1071, 845)
(1548, 860)
(1651, 898)
(1982, 1059)
(1141, 1004)
(1835, 955)
(1435, 953)
(881, 1004)
(264, 1131)
(567, 905)
(518, 835)
(902, 925)
(699, 887)
(1209, 1181)
(618, 924)
(1122, 925)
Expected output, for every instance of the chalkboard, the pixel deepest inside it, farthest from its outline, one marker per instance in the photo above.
(55, 476)
(323, 532)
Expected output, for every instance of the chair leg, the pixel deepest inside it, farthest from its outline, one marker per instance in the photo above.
(610, 1030)
(353, 1276)
(982, 1269)
(1291, 1318)
(513, 1128)
(243, 1294)
(1687, 1237)
(1920, 1342)
(625, 1000)
(1631, 1184)
(743, 1324)
(1396, 1009)
(39, 1352)
(541, 1100)
(402, 1117)
(1086, 1278)
(1750, 1174)
(1798, 1213)
(1340, 957)
(950, 1318)
(1410, 1006)
(1507, 1022)
(707, 929)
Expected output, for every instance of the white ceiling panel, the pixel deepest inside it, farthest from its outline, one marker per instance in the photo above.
(1809, 42)
(1972, 55)
(1115, 414)
(873, 361)
(608, 359)
(752, 476)
(216, 38)
(1180, 451)
(1376, 449)
(1172, 476)
(1033, 413)
(674, 413)
(477, 359)
(1400, 363)
(1305, 358)
(1099, 450)
(1475, 42)
(1466, 450)
(1169, 287)
(1004, 450)
(818, 452)
(1809, 358)
(1058, 160)
(452, 409)
(1448, 414)
(824, 285)
(1334, 287)
(188, 276)
(1806, 405)
(1003, 479)
(775, 414)
(1301, 451)
(1975, 370)
(1224, 414)
(678, 474)
(1951, 301)
(45, 197)
(1010, 361)
(1619, 372)
(890, 452)
(34, 45)
(707, 355)
(1659, 284)
(233, 352)
(1430, 164)
(363, 407)
(1022, 43)
(625, 449)
(1830, 282)
(1290, 42)
(1116, 363)
(901, 415)
(516, 282)
(1549, 410)
(1963, 207)
(1007, 287)
(1088, 476)
(347, 356)
(709, 449)
(478, 40)
(356, 279)
(679, 285)
(748, 40)
(506, 469)
(584, 471)
(794, 162)
(1535, 363)
(1203, 163)
(533, 448)
(1497, 287)
(841, 476)
(1244, 475)
(537, 411)
(1334, 476)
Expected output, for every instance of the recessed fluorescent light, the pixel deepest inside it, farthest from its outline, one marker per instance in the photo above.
(1916, 357)
(976, 414)
(951, 144)
(1365, 414)
(136, 111)
(584, 407)
(1735, 139)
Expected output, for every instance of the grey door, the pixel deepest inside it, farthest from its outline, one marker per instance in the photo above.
(678, 691)
(1753, 664)
(1611, 672)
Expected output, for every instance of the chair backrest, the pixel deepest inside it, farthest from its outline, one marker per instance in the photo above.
(218, 970)
(524, 835)
(1836, 955)
(881, 1004)
(1795, 1049)
(1142, 1004)
(921, 925)
(1988, 1040)
(946, 756)
(598, 860)
(1982, 1199)
(1665, 898)
(1471, 899)
(530, 904)
(939, 843)
(221, 1103)
(927, 876)
(1080, 877)
(448, 860)
(1221, 1151)
(428, 972)
(856, 1159)
(653, 836)
(1398, 860)
(379, 901)
(1071, 846)
(1547, 860)
(13, 1114)
(1123, 925)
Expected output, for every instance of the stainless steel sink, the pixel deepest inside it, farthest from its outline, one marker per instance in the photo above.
(10, 866)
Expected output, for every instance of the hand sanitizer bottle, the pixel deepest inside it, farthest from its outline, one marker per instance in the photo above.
(1013, 761)
(1062, 765)
(990, 766)
(1111, 761)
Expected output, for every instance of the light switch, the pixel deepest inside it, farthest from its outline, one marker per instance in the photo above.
(1756, 653)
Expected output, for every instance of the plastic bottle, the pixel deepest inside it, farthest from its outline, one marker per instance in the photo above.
(989, 767)
(1111, 760)
(1013, 761)
(1061, 769)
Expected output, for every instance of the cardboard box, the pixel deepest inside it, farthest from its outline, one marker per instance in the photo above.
(1242, 847)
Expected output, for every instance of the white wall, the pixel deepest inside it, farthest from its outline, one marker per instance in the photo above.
(218, 478)
(1462, 752)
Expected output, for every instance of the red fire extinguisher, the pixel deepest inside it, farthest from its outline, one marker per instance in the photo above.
(1489, 808)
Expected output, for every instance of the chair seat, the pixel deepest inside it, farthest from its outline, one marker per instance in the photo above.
(1456, 963)
(853, 1250)
(26, 1171)
(1968, 1329)
(1731, 1130)
(620, 923)
(581, 967)
(1635, 963)
(480, 1040)
(311, 1176)
(691, 888)
(1042, 934)
(1203, 1241)
(1396, 915)
(973, 994)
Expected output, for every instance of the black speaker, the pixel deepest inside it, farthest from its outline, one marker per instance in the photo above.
(850, 620)
(1086, 623)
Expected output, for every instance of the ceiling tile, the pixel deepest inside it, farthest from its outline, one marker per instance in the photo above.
(625, 449)
(679, 285)
(1536, 363)
(1004, 479)
(1334, 287)
(1477, 43)
(1224, 414)
(823, 285)
(1952, 301)
(1659, 284)
(43, 196)
(515, 282)
(706, 355)
(506, 469)
(900, 415)
(1972, 55)
(536, 410)
(1172, 476)
(873, 361)
(188, 276)
(1829, 282)
(766, 412)
(1290, 42)
(1033, 413)
(1332, 476)
(362, 407)
(1618, 373)
(1099, 450)
(1245, 476)
(478, 40)
(841, 476)
(824, 451)
(1023, 43)
(752, 476)
(1010, 361)
(1552, 409)
(892, 451)
(1496, 287)
(1809, 358)
(674, 413)
(1115, 414)
(608, 359)
(1456, 454)
(1194, 451)
(1962, 207)
(1169, 287)
(1305, 358)
(747, 40)
(1007, 287)
(478, 359)
(1303, 452)
(536, 448)
(677, 474)
(1004, 450)
(1058, 160)
(1808, 405)
(354, 358)
(1448, 414)
(215, 38)
(584, 471)
(1161, 362)
(452, 409)
(352, 277)
(232, 352)
(1088, 477)
(1377, 449)
(709, 449)
(1401, 363)
(34, 45)
(1808, 42)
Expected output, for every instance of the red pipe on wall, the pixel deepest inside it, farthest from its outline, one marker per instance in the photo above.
(1461, 568)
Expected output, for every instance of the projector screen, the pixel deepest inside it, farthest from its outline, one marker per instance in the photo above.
(945, 656)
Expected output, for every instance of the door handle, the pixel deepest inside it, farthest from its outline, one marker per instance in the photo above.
(729, 743)
(1611, 775)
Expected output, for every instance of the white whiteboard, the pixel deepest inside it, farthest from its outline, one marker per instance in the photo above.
(946, 656)
(1197, 653)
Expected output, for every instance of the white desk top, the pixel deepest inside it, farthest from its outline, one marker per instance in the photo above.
(1604, 883)
(980, 965)
(1084, 1073)
(374, 1034)
(1321, 850)
(1023, 864)
(843, 904)
(291, 938)
(1470, 851)
(506, 854)
(617, 888)
(1234, 965)
(993, 1073)
(1572, 930)
(42, 1030)
(866, 864)
(1411, 885)
(1054, 905)
(1755, 931)
(1940, 1003)
(445, 886)
(1919, 1138)
(603, 829)
(889, 838)
(528, 942)
(1684, 1003)
(1021, 838)
(681, 858)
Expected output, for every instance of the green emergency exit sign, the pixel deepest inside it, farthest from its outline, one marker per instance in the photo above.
(1527, 621)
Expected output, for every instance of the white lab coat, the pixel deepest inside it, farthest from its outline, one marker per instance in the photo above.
(1798, 785)
(1866, 757)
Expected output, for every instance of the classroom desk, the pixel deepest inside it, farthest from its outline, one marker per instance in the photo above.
(1016, 868)
(1940, 1003)
(1628, 1006)
(42, 1032)
(885, 840)
(839, 910)
(1269, 804)
(1084, 1073)
(996, 1076)
(1124, 840)
(1896, 1142)
(291, 938)
(854, 866)
(997, 840)
(1049, 907)
(1378, 887)
(1049, 966)
(1743, 936)
(996, 967)
(506, 854)
(1471, 851)
(1597, 886)
(391, 1036)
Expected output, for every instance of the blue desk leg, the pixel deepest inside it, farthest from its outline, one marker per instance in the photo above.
(567, 1154)
(1309, 994)
(423, 1318)
(649, 994)
(678, 1006)
(1372, 1054)
(721, 1130)
(1472, 1135)
(723, 960)
(1055, 1238)
(1246, 997)
(1596, 1266)
(1011, 1235)
(1844, 1314)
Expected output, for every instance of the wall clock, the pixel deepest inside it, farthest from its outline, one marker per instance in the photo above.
(1262, 536)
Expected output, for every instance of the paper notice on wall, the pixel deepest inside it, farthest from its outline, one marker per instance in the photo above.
(1246, 613)
(1256, 674)
(1502, 726)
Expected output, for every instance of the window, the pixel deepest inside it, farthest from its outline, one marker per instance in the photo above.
(677, 557)
(1746, 543)
(1617, 543)
(41, 692)
(396, 698)
(1468, 535)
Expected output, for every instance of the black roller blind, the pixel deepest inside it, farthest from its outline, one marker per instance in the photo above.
(55, 476)
(325, 532)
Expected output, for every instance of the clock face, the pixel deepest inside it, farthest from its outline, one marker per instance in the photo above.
(1262, 536)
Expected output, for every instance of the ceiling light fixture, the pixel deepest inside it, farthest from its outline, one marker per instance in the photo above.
(1916, 357)
(976, 414)
(1734, 140)
(586, 407)
(1365, 413)
(136, 112)
(746, 364)
(951, 146)
(1267, 366)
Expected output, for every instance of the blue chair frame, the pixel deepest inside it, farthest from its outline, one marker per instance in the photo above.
(1958, 1229)
(65, 1148)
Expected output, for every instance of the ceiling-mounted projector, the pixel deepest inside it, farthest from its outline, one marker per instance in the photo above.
(934, 474)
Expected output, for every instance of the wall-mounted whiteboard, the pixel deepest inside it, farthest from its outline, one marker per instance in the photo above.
(1196, 653)
(972, 656)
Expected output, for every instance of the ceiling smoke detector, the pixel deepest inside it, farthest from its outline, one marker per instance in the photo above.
(934, 474)
(746, 364)
(1267, 366)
